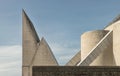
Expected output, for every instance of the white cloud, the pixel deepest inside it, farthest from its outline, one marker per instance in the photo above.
(10, 60)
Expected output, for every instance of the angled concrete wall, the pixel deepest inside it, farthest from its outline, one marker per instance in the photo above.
(115, 27)
(75, 60)
(30, 40)
(89, 40)
(94, 58)
(106, 58)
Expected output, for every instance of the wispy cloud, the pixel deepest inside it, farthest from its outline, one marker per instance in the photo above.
(63, 53)
(10, 60)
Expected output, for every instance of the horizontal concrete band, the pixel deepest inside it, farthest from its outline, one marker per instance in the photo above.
(76, 71)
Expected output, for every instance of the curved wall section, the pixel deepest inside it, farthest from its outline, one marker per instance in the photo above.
(89, 40)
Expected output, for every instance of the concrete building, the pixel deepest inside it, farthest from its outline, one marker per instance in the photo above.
(98, 48)
(36, 52)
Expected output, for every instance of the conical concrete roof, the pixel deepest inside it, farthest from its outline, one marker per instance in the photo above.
(44, 55)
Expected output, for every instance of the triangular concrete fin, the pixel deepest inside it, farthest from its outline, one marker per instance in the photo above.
(44, 55)
(105, 43)
(29, 39)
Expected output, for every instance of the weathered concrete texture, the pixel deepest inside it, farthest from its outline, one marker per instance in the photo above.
(44, 55)
(116, 43)
(89, 40)
(106, 57)
(115, 26)
(101, 47)
(76, 59)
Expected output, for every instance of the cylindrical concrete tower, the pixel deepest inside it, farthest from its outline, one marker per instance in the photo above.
(89, 41)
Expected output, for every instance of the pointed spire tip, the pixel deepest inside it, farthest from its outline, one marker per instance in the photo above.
(23, 11)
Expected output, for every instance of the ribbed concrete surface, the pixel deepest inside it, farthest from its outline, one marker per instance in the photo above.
(76, 59)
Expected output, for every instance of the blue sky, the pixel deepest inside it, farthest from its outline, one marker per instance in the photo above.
(61, 22)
